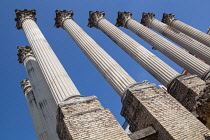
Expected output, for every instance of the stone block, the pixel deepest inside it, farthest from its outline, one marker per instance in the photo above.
(148, 133)
(145, 106)
(194, 94)
(83, 118)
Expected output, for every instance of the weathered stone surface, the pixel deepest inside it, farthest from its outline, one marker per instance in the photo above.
(84, 118)
(37, 118)
(204, 106)
(45, 101)
(194, 94)
(148, 133)
(153, 107)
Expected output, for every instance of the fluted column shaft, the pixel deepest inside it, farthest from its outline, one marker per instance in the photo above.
(187, 29)
(34, 108)
(58, 80)
(117, 77)
(176, 54)
(156, 67)
(193, 46)
(44, 97)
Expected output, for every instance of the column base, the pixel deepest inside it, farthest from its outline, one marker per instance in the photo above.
(194, 94)
(85, 118)
(145, 105)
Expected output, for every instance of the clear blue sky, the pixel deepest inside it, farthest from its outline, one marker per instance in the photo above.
(15, 120)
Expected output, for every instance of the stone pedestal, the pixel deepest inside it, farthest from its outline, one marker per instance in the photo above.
(194, 94)
(145, 105)
(192, 89)
(186, 29)
(84, 118)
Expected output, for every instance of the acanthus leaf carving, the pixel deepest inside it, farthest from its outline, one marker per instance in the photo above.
(21, 15)
(147, 18)
(24, 52)
(122, 19)
(94, 17)
(25, 85)
(168, 18)
(61, 16)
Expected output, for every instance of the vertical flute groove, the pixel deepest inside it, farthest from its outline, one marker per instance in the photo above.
(43, 97)
(163, 73)
(108, 67)
(58, 80)
(186, 29)
(38, 120)
(178, 55)
(193, 46)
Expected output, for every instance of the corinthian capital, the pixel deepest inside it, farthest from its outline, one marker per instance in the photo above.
(147, 18)
(168, 18)
(94, 17)
(122, 18)
(24, 52)
(21, 15)
(25, 85)
(61, 16)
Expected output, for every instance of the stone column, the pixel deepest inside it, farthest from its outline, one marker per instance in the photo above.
(186, 29)
(84, 118)
(117, 77)
(137, 51)
(44, 97)
(190, 44)
(130, 109)
(192, 97)
(37, 118)
(112, 72)
(57, 78)
(145, 105)
(156, 67)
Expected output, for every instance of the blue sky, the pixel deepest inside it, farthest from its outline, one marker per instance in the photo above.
(15, 120)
